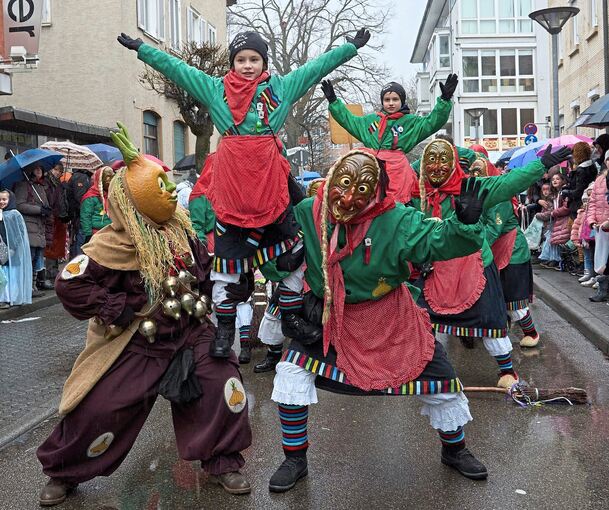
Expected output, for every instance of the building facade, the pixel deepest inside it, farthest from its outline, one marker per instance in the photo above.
(503, 61)
(580, 64)
(86, 81)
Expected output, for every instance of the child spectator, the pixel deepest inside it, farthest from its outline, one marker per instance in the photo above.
(93, 215)
(586, 237)
(598, 214)
(558, 230)
(17, 269)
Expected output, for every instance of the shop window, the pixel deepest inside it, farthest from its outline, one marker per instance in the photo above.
(152, 123)
(179, 141)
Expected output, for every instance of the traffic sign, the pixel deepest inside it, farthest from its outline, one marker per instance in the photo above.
(530, 129)
(530, 139)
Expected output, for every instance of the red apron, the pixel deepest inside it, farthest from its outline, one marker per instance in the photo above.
(402, 177)
(502, 249)
(249, 181)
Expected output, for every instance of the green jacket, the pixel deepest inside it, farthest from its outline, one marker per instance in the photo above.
(501, 220)
(399, 236)
(92, 216)
(209, 90)
(202, 216)
(411, 129)
(501, 188)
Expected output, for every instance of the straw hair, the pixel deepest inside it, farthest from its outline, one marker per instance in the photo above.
(324, 229)
(155, 245)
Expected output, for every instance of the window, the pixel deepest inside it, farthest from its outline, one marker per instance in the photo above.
(151, 17)
(175, 24)
(593, 15)
(489, 122)
(498, 71)
(443, 51)
(509, 123)
(574, 32)
(46, 12)
(196, 27)
(179, 141)
(211, 34)
(151, 133)
(496, 16)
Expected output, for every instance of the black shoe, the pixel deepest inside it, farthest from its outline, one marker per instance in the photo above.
(245, 356)
(42, 282)
(464, 461)
(225, 336)
(291, 470)
(268, 363)
(295, 327)
(467, 341)
(602, 293)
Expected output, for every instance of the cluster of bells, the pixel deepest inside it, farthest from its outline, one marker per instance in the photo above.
(197, 307)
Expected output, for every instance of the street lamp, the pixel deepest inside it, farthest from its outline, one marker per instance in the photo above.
(552, 20)
(475, 114)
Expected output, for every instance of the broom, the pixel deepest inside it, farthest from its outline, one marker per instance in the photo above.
(529, 396)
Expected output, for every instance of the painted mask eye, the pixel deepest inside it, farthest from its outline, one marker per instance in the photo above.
(345, 182)
(162, 184)
(363, 188)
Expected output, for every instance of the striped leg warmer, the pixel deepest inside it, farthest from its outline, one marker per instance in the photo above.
(244, 334)
(453, 439)
(526, 323)
(226, 310)
(294, 429)
(289, 301)
(505, 363)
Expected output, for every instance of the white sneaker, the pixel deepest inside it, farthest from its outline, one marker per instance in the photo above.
(585, 277)
(590, 282)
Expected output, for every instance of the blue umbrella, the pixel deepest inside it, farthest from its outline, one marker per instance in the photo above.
(105, 152)
(11, 171)
(308, 176)
(508, 154)
(524, 155)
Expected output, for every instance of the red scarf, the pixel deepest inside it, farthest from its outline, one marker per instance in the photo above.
(435, 196)
(356, 231)
(384, 118)
(93, 190)
(240, 93)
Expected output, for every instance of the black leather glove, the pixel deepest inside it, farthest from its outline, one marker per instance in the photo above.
(549, 160)
(45, 211)
(290, 261)
(360, 39)
(241, 291)
(328, 90)
(128, 42)
(125, 318)
(468, 207)
(449, 86)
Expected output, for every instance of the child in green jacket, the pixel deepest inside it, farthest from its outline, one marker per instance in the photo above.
(93, 215)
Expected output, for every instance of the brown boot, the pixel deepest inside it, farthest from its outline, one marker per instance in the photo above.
(233, 482)
(55, 492)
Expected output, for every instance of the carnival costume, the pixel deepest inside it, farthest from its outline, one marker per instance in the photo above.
(247, 177)
(390, 136)
(143, 284)
(512, 257)
(358, 243)
(464, 296)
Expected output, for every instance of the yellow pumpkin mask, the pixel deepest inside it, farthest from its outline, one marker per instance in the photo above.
(153, 195)
(439, 162)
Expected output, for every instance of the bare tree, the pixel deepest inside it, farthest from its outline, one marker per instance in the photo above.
(212, 60)
(298, 31)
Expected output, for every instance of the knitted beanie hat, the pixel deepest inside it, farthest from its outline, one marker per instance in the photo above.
(248, 41)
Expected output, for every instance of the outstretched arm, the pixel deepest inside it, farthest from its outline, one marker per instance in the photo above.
(419, 127)
(355, 125)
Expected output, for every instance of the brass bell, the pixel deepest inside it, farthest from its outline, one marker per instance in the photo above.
(200, 310)
(186, 277)
(187, 301)
(148, 329)
(172, 308)
(113, 331)
(171, 285)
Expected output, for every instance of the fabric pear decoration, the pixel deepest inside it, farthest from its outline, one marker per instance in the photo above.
(146, 184)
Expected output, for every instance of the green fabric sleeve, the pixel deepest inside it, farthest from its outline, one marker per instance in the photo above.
(202, 216)
(502, 188)
(496, 221)
(424, 240)
(199, 85)
(297, 82)
(354, 124)
(87, 210)
(420, 127)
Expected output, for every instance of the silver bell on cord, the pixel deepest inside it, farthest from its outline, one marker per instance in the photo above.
(200, 310)
(171, 286)
(148, 329)
(186, 277)
(188, 302)
(172, 308)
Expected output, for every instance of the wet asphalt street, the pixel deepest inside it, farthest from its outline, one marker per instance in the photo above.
(378, 452)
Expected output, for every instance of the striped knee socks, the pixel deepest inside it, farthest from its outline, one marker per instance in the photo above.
(226, 310)
(294, 429)
(289, 301)
(244, 334)
(453, 439)
(526, 323)
(505, 363)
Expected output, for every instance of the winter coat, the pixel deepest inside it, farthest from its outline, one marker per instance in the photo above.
(561, 231)
(92, 216)
(184, 189)
(39, 228)
(75, 189)
(56, 195)
(577, 227)
(579, 180)
(598, 208)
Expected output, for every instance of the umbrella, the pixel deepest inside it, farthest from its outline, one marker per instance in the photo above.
(76, 156)
(596, 115)
(186, 163)
(508, 154)
(308, 176)
(119, 163)
(563, 141)
(105, 152)
(525, 155)
(11, 171)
